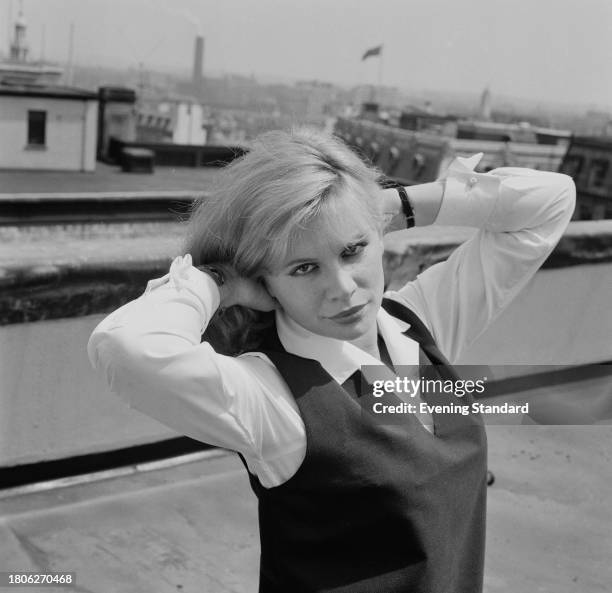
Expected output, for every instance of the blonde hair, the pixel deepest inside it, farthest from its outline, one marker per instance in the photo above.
(262, 201)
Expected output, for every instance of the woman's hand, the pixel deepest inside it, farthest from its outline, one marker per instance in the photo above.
(238, 290)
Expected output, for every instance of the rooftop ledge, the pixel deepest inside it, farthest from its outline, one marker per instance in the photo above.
(66, 274)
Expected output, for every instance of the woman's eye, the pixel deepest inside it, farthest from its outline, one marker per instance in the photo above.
(354, 249)
(303, 269)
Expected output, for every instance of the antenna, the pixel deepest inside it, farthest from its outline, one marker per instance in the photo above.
(9, 23)
(142, 82)
(70, 72)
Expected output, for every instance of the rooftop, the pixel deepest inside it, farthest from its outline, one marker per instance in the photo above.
(604, 142)
(106, 178)
(193, 526)
(47, 91)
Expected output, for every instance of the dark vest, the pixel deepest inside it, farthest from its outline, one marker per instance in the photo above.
(374, 508)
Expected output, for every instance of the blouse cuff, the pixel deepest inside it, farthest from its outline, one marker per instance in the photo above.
(182, 276)
(469, 197)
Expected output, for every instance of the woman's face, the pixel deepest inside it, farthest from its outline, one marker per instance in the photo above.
(331, 283)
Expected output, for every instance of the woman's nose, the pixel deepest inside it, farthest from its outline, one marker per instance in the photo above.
(340, 284)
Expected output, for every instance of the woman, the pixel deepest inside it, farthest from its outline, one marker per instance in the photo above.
(284, 274)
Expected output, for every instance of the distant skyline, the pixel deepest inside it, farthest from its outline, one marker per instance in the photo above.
(542, 50)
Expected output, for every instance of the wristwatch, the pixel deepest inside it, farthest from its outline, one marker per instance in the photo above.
(406, 206)
(386, 183)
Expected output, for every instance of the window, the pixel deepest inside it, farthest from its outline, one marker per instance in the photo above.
(597, 173)
(572, 165)
(37, 128)
(585, 212)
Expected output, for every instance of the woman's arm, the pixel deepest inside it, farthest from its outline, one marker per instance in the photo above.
(521, 215)
(425, 200)
(150, 353)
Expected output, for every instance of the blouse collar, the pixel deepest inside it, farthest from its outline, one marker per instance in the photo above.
(340, 358)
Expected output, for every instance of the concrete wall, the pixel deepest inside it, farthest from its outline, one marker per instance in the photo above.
(70, 134)
(563, 317)
(53, 406)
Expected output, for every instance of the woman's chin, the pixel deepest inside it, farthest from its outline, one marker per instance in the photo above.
(352, 331)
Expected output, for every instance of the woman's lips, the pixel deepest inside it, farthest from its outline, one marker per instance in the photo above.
(348, 314)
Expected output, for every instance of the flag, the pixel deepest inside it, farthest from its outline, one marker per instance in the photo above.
(373, 51)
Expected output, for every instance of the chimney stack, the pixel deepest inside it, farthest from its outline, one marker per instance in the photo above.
(198, 63)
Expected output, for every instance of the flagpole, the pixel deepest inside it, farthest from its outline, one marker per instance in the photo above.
(380, 72)
(377, 52)
(369, 96)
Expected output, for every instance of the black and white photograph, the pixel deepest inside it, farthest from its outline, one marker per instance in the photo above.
(306, 296)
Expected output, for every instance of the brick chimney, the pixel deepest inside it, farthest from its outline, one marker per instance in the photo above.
(198, 63)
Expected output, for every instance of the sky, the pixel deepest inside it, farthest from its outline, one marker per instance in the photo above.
(543, 50)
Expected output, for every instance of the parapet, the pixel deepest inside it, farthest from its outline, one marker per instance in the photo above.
(73, 271)
(58, 281)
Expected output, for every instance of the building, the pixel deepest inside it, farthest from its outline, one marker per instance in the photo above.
(47, 127)
(484, 112)
(179, 120)
(589, 162)
(18, 69)
(43, 125)
(116, 117)
(422, 145)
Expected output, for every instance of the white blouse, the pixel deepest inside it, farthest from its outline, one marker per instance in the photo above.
(149, 350)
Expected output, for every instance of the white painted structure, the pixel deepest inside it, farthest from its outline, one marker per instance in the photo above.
(188, 126)
(175, 120)
(48, 128)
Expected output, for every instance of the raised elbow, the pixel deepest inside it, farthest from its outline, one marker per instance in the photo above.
(108, 356)
(559, 200)
(121, 358)
(567, 194)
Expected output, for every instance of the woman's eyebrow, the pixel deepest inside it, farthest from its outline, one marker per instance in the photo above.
(298, 260)
(356, 238)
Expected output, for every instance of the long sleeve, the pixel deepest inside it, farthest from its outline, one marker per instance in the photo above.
(150, 353)
(150, 350)
(521, 214)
